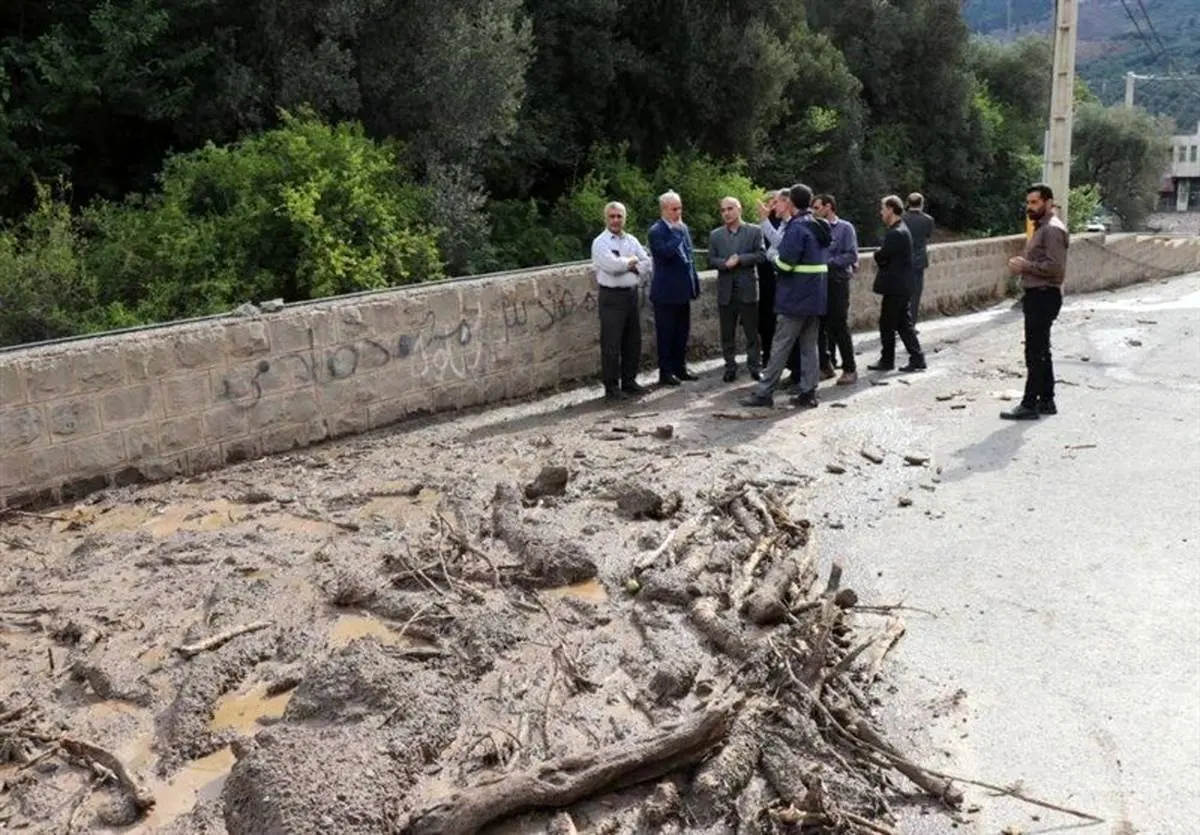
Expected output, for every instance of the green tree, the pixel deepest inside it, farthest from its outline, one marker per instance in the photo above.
(302, 211)
(1121, 150)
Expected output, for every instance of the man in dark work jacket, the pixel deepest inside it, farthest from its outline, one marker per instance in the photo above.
(920, 226)
(893, 281)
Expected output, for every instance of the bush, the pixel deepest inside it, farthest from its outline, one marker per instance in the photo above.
(1082, 206)
(44, 291)
(578, 216)
(304, 211)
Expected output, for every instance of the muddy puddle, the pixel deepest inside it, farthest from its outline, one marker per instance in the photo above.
(204, 779)
(158, 520)
(349, 628)
(587, 590)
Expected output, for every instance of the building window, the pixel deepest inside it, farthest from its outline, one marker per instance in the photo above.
(1183, 153)
(1192, 158)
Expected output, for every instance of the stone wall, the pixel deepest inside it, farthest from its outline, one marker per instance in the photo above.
(110, 410)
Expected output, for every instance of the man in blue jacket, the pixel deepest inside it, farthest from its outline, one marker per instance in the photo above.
(800, 298)
(675, 284)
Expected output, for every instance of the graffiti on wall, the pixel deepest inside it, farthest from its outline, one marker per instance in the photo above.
(435, 350)
(432, 350)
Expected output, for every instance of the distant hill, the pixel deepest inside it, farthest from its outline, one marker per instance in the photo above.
(1110, 46)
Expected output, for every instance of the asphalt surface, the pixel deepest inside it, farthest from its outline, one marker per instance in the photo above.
(1061, 559)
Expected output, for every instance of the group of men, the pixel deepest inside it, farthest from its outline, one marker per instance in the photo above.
(786, 283)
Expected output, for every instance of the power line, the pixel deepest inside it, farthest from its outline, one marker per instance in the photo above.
(1154, 31)
(1138, 27)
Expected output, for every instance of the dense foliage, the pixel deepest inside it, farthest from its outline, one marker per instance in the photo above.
(149, 167)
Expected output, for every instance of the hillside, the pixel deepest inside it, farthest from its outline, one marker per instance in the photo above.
(1110, 46)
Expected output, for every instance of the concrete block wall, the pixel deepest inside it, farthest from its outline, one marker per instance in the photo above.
(111, 410)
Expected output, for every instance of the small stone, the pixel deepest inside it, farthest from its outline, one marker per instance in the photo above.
(916, 460)
(958, 406)
(632, 586)
(1134, 343)
(551, 481)
(871, 454)
(877, 382)
(837, 526)
(1085, 359)
(928, 487)
(836, 469)
(905, 501)
(579, 453)
(665, 432)
(944, 397)
(837, 405)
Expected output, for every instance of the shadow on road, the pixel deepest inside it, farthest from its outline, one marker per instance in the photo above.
(991, 454)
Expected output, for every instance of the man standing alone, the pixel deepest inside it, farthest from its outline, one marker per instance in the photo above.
(799, 299)
(893, 281)
(920, 227)
(621, 264)
(1042, 269)
(734, 251)
(673, 288)
(843, 261)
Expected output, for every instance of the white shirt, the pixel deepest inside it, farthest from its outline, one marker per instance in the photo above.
(772, 236)
(610, 259)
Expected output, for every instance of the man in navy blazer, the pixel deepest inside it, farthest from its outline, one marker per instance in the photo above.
(673, 288)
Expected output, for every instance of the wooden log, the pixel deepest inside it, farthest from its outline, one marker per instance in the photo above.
(727, 637)
(767, 604)
(214, 641)
(142, 797)
(566, 781)
(720, 781)
(744, 582)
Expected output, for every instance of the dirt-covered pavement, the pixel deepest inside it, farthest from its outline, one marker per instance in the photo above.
(373, 635)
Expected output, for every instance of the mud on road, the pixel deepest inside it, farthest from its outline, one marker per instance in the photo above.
(600, 611)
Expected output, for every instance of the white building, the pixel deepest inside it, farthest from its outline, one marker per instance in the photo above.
(1181, 183)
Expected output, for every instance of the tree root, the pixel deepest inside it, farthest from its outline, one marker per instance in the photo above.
(562, 782)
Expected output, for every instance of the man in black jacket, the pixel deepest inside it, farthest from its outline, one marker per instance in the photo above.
(893, 281)
(920, 226)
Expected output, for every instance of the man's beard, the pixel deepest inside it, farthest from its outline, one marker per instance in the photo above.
(1033, 214)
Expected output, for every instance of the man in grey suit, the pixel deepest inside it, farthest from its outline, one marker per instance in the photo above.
(735, 249)
(920, 226)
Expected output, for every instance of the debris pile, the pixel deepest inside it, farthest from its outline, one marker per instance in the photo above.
(583, 651)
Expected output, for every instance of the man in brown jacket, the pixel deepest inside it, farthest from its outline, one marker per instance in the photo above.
(1042, 269)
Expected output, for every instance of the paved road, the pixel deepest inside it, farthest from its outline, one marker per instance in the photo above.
(1062, 559)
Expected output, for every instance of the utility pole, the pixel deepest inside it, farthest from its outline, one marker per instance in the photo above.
(1130, 78)
(1062, 103)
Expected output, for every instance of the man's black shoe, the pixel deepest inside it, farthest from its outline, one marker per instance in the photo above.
(1022, 412)
(757, 401)
(687, 375)
(730, 375)
(913, 367)
(755, 374)
(632, 387)
(806, 400)
(882, 366)
(613, 394)
(1047, 407)
(668, 380)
